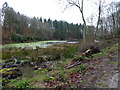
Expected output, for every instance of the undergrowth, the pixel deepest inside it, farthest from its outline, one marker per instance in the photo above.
(58, 75)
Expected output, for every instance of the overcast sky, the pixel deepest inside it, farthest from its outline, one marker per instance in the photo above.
(51, 9)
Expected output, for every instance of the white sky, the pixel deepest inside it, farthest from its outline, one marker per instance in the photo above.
(51, 9)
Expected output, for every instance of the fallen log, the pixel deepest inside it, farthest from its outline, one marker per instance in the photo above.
(10, 73)
(73, 65)
(92, 50)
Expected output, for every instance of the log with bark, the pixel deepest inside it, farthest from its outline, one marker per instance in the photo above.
(89, 52)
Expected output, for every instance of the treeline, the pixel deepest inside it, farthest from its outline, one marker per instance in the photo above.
(20, 28)
(110, 19)
(17, 27)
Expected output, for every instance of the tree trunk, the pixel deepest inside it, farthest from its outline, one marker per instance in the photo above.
(98, 18)
(84, 22)
(84, 29)
(97, 24)
(113, 18)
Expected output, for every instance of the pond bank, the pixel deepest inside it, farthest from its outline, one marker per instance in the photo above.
(40, 44)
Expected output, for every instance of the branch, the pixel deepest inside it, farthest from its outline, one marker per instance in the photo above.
(67, 6)
(73, 3)
(73, 65)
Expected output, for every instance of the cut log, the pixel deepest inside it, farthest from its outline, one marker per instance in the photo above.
(92, 50)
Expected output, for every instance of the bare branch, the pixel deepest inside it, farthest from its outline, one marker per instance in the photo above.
(67, 6)
(73, 3)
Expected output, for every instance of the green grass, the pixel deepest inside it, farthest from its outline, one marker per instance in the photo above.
(112, 63)
(99, 83)
(104, 79)
(105, 51)
(105, 85)
(14, 83)
(44, 76)
(80, 68)
(61, 75)
(41, 44)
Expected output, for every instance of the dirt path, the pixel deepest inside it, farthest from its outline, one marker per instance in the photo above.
(102, 72)
(113, 82)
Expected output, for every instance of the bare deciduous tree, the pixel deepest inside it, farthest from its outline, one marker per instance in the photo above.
(79, 4)
(100, 8)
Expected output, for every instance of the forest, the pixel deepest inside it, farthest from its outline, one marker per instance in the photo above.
(20, 28)
(43, 53)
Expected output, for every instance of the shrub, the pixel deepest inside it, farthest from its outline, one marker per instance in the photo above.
(18, 37)
(70, 51)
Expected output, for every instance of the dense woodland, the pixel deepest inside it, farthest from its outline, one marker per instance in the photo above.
(20, 28)
(17, 27)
